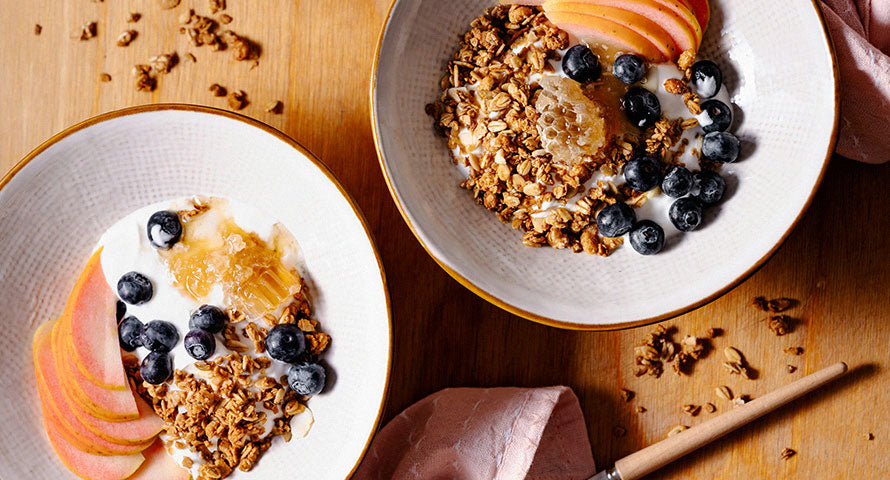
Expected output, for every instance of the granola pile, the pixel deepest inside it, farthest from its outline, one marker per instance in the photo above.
(500, 112)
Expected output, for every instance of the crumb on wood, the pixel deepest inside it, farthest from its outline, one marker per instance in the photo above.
(133, 17)
(274, 106)
(237, 100)
(626, 395)
(105, 77)
(787, 453)
(218, 90)
(125, 38)
(37, 29)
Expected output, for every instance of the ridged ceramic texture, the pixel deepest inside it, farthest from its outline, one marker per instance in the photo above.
(778, 66)
(53, 211)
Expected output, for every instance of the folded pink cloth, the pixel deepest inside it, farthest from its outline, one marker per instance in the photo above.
(860, 30)
(496, 433)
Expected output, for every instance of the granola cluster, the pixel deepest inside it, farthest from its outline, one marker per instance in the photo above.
(229, 410)
(493, 110)
(659, 349)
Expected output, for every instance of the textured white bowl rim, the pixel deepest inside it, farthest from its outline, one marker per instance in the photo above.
(284, 138)
(381, 156)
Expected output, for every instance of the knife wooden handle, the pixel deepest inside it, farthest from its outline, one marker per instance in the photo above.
(666, 451)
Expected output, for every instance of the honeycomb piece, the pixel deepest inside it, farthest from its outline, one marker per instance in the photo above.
(571, 125)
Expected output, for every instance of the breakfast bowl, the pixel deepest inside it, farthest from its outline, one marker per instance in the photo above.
(58, 201)
(780, 75)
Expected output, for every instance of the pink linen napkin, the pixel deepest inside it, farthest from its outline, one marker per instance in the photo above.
(860, 30)
(495, 433)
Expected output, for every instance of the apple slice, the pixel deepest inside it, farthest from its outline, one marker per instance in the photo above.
(652, 31)
(599, 30)
(133, 432)
(62, 414)
(674, 18)
(530, 3)
(702, 11)
(102, 403)
(86, 465)
(90, 326)
(159, 465)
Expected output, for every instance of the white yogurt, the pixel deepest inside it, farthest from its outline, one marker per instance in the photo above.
(125, 247)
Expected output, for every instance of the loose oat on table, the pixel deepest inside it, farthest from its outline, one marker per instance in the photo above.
(691, 410)
(724, 392)
(162, 64)
(676, 429)
(710, 408)
(218, 90)
(626, 395)
(126, 37)
(787, 453)
(237, 100)
(104, 77)
(133, 17)
(216, 5)
(85, 31)
(736, 363)
(190, 58)
(37, 29)
(168, 4)
(780, 324)
(794, 350)
(225, 19)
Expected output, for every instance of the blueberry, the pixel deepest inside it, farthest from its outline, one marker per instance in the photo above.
(306, 378)
(199, 344)
(209, 318)
(677, 183)
(285, 342)
(686, 214)
(709, 187)
(581, 65)
(615, 220)
(641, 107)
(134, 288)
(156, 368)
(642, 173)
(647, 237)
(164, 229)
(120, 311)
(720, 115)
(706, 78)
(722, 147)
(629, 68)
(160, 336)
(130, 333)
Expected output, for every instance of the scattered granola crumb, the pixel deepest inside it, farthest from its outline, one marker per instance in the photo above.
(217, 5)
(225, 19)
(125, 38)
(676, 429)
(790, 368)
(687, 58)
(218, 90)
(869, 436)
(793, 350)
(134, 17)
(787, 453)
(760, 303)
(641, 409)
(724, 392)
(776, 305)
(105, 77)
(190, 57)
(168, 4)
(37, 29)
(619, 431)
(780, 324)
(85, 31)
(237, 100)
(736, 363)
(164, 63)
(626, 394)
(274, 106)
(715, 332)
(675, 86)
(710, 408)
(691, 410)
(241, 47)
(740, 400)
(144, 81)
(186, 17)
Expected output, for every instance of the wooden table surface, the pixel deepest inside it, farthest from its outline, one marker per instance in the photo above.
(316, 58)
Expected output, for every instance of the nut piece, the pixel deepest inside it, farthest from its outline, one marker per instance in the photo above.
(168, 4)
(787, 453)
(274, 106)
(218, 90)
(237, 100)
(724, 392)
(677, 429)
(125, 38)
(780, 324)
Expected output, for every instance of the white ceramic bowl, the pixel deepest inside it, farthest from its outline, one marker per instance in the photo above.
(779, 67)
(62, 197)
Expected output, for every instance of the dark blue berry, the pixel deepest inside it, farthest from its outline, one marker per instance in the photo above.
(164, 229)
(306, 378)
(706, 78)
(120, 311)
(629, 68)
(134, 288)
(647, 237)
(642, 173)
(130, 333)
(641, 107)
(615, 220)
(156, 368)
(720, 115)
(581, 65)
(285, 342)
(209, 318)
(160, 336)
(686, 214)
(200, 344)
(722, 147)
(677, 183)
(709, 187)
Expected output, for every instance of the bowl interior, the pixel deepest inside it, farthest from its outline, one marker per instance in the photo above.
(53, 211)
(779, 69)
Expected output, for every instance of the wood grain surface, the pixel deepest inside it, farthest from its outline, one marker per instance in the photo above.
(316, 58)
